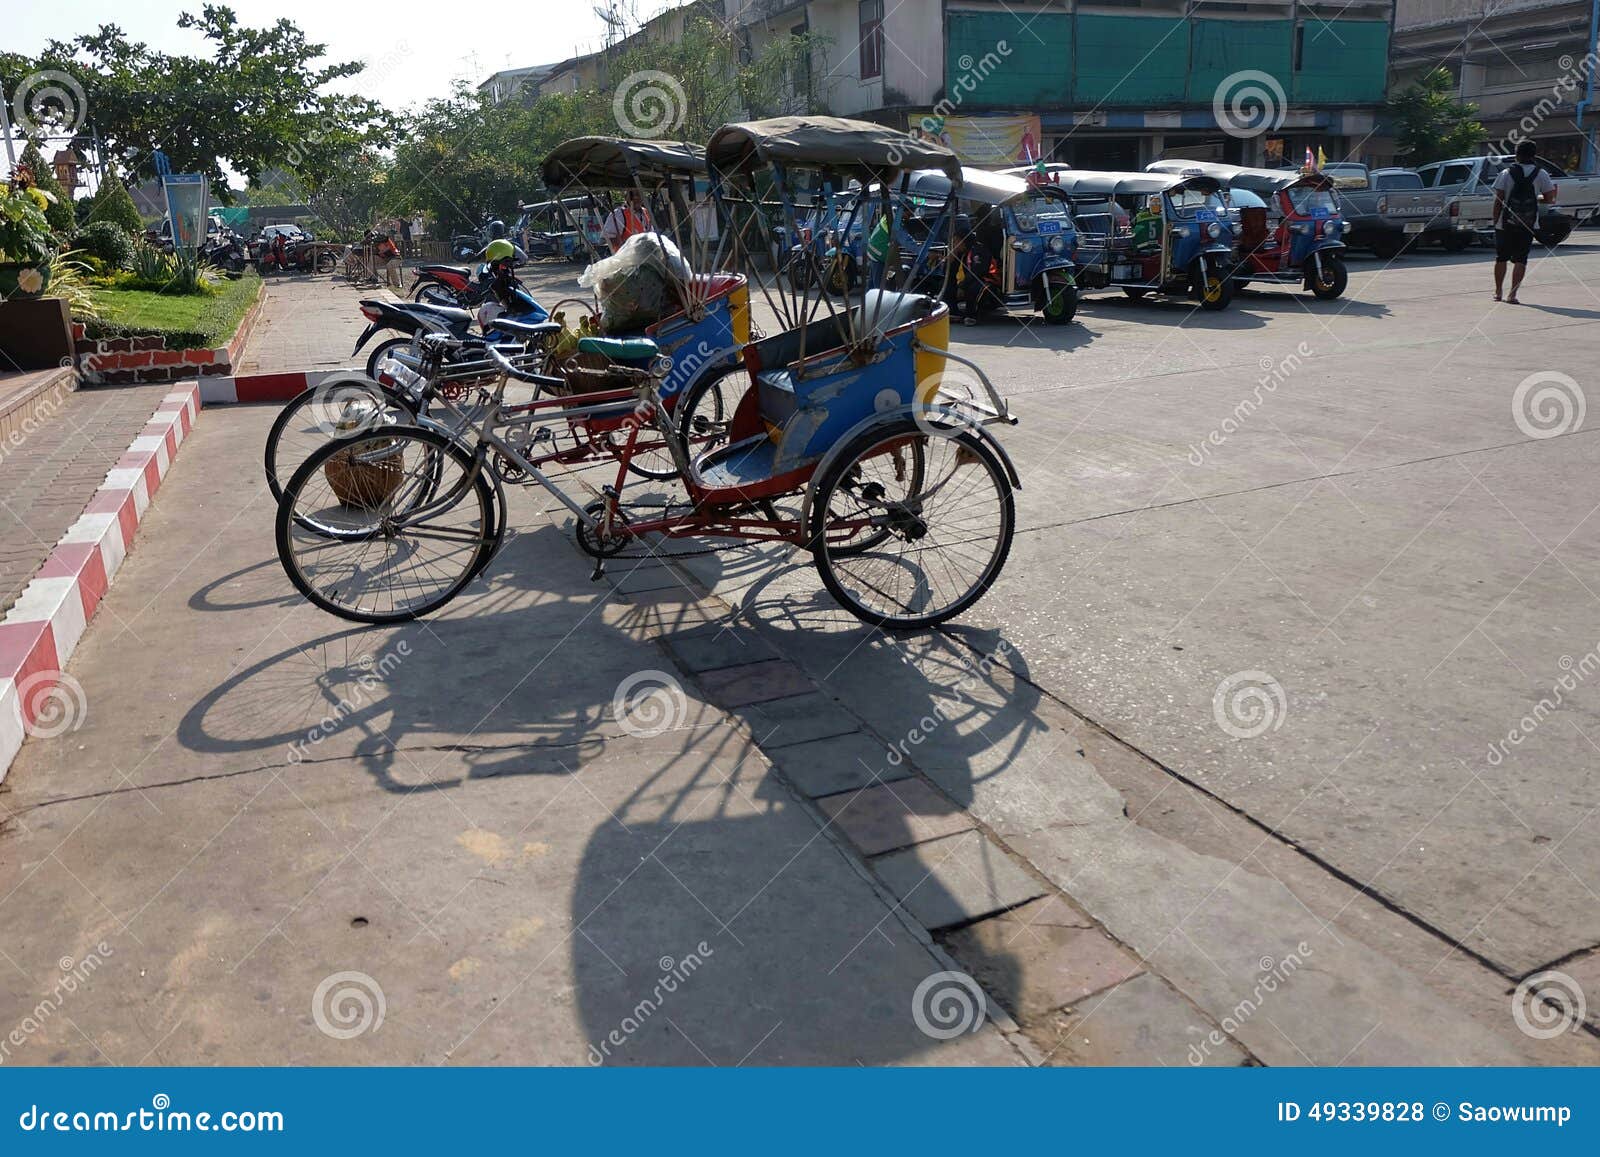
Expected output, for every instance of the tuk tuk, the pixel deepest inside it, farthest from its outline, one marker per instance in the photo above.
(566, 229)
(1152, 233)
(1296, 238)
(1027, 227)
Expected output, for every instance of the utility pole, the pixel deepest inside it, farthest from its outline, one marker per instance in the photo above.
(5, 131)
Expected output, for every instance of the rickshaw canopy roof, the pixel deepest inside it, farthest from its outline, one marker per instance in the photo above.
(1082, 183)
(616, 162)
(864, 150)
(976, 185)
(1262, 181)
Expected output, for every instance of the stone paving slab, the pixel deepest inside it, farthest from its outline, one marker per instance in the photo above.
(754, 683)
(894, 815)
(49, 473)
(955, 880)
(822, 767)
(1141, 1021)
(797, 719)
(1041, 957)
(308, 322)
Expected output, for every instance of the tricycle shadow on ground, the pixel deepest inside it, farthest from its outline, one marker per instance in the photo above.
(1168, 311)
(697, 841)
(1287, 300)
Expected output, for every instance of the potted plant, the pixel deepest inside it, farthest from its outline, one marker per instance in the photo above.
(25, 239)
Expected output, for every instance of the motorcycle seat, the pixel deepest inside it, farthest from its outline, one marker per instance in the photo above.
(447, 314)
(459, 270)
(527, 329)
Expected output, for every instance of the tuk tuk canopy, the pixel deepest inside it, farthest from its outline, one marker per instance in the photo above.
(1262, 182)
(1082, 183)
(866, 151)
(617, 162)
(978, 185)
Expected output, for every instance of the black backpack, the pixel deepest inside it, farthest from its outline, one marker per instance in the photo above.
(1522, 202)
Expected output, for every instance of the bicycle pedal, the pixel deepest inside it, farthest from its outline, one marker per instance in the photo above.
(599, 570)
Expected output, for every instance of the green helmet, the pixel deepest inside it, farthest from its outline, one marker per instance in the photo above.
(499, 251)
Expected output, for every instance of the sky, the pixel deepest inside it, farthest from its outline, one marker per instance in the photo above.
(413, 50)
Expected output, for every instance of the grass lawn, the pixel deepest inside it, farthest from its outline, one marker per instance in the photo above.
(187, 322)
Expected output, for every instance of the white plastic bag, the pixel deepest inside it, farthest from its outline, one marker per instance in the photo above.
(634, 283)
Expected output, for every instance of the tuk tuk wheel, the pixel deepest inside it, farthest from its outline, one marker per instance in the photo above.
(1134, 293)
(1212, 287)
(1060, 304)
(1332, 281)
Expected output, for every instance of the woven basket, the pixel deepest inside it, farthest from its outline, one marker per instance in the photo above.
(366, 485)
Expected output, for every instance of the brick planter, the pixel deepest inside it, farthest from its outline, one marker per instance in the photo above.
(136, 360)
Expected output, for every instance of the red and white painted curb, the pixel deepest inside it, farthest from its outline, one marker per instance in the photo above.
(43, 628)
(245, 388)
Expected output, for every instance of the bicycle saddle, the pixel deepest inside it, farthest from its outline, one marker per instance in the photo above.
(628, 349)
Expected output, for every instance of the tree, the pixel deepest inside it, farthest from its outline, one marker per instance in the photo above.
(113, 202)
(60, 213)
(256, 99)
(1431, 123)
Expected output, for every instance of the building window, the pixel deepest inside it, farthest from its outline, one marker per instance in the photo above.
(871, 15)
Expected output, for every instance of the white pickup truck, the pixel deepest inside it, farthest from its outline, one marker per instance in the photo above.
(1469, 184)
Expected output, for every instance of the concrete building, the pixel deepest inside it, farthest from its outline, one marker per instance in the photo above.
(1525, 63)
(1106, 84)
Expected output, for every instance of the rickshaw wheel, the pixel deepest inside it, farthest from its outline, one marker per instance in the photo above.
(707, 408)
(1333, 280)
(1060, 304)
(377, 554)
(1214, 289)
(938, 546)
(315, 417)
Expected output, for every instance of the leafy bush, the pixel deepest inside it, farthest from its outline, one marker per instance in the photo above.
(150, 264)
(112, 202)
(69, 280)
(60, 212)
(177, 273)
(24, 231)
(107, 241)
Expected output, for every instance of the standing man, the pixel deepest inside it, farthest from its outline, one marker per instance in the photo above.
(626, 219)
(1518, 190)
(405, 237)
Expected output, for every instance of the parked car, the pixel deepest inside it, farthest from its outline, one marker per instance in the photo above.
(1469, 182)
(1388, 210)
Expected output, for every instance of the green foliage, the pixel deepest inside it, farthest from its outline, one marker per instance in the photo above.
(1431, 123)
(187, 322)
(183, 271)
(107, 241)
(256, 98)
(149, 264)
(24, 231)
(112, 202)
(60, 213)
(69, 279)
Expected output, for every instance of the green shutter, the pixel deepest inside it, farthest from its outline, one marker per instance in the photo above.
(1342, 61)
(1024, 60)
(1137, 60)
(1224, 48)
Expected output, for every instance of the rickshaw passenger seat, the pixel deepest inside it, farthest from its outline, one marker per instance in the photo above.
(634, 349)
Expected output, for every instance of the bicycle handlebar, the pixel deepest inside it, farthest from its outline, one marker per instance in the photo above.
(511, 371)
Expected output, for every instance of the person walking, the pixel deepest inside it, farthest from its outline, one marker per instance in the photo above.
(389, 261)
(1518, 190)
(626, 219)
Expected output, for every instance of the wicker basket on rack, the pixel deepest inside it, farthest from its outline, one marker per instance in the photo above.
(369, 483)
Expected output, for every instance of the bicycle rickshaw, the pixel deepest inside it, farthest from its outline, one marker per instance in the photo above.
(1295, 238)
(896, 486)
(1187, 243)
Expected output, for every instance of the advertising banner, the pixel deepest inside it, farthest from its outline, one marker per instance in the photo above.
(187, 195)
(984, 141)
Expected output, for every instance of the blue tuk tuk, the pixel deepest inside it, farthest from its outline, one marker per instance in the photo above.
(1027, 226)
(1294, 237)
(1148, 233)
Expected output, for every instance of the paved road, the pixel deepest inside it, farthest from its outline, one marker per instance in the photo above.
(1332, 513)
